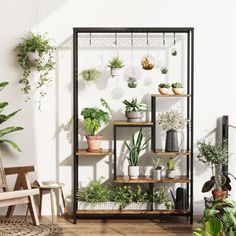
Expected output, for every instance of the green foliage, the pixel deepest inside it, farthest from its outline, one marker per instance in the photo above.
(171, 164)
(91, 74)
(164, 70)
(95, 117)
(159, 196)
(132, 82)
(136, 146)
(3, 118)
(36, 43)
(157, 163)
(177, 85)
(96, 191)
(164, 85)
(116, 62)
(134, 105)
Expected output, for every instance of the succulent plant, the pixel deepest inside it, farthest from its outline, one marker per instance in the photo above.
(164, 70)
(157, 163)
(147, 64)
(132, 82)
(164, 85)
(177, 85)
(171, 164)
(116, 62)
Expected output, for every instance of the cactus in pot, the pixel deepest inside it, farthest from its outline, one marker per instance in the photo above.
(170, 172)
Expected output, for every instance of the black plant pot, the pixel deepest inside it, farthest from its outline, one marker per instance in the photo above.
(171, 141)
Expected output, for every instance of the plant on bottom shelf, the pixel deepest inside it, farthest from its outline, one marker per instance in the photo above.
(115, 65)
(170, 172)
(91, 74)
(36, 52)
(4, 118)
(93, 119)
(177, 88)
(160, 200)
(123, 195)
(134, 149)
(164, 88)
(134, 110)
(215, 156)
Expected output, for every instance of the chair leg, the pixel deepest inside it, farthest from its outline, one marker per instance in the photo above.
(40, 202)
(52, 203)
(33, 211)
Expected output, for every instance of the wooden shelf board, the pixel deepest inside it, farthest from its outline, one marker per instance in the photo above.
(103, 152)
(170, 95)
(125, 123)
(145, 179)
(160, 152)
(134, 212)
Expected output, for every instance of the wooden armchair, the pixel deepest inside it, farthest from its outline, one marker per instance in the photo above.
(22, 194)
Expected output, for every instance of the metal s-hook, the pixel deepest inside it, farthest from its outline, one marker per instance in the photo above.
(147, 39)
(174, 39)
(132, 40)
(164, 40)
(90, 39)
(115, 39)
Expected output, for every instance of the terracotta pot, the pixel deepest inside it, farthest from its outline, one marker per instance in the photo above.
(94, 143)
(163, 91)
(219, 195)
(178, 91)
(133, 172)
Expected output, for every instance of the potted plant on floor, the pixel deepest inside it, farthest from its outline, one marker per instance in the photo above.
(136, 146)
(157, 165)
(90, 75)
(93, 119)
(134, 110)
(177, 88)
(172, 121)
(164, 88)
(170, 172)
(215, 156)
(115, 65)
(36, 52)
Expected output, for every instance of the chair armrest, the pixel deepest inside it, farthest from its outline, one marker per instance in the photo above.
(18, 194)
(18, 170)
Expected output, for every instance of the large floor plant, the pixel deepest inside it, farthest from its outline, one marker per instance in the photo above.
(4, 118)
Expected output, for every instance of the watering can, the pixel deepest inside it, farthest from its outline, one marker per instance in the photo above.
(181, 198)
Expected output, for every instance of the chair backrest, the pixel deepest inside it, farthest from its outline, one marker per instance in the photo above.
(3, 181)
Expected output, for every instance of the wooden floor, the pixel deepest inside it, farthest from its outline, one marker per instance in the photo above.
(124, 227)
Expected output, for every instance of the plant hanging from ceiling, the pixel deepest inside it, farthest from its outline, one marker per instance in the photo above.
(4, 118)
(36, 53)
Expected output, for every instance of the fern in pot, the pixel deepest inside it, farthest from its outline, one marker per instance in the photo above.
(115, 64)
(94, 117)
(137, 145)
(36, 53)
(134, 110)
(157, 166)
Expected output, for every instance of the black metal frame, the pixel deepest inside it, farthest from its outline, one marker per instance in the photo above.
(225, 136)
(190, 102)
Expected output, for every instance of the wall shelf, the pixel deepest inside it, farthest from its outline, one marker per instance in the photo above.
(170, 95)
(160, 152)
(103, 152)
(125, 123)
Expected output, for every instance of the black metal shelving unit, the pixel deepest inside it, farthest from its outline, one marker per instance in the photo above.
(189, 96)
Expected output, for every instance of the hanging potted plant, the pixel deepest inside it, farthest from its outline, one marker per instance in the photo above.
(134, 110)
(36, 53)
(132, 82)
(147, 63)
(170, 172)
(164, 88)
(177, 88)
(157, 165)
(215, 156)
(164, 70)
(93, 120)
(134, 149)
(90, 75)
(172, 121)
(115, 65)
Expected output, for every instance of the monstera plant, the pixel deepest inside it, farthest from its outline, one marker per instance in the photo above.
(3, 118)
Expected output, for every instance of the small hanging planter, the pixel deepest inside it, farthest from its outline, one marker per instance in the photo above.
(36, 53)
(164, 70)
(115, 65)
(147, 63)
(132, 82)
(174, 50)
(90, 75)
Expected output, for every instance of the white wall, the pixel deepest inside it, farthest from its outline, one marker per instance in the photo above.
(44, 140)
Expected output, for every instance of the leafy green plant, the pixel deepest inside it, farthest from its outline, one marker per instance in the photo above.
(115, 63)
(171, 164)
(177, 85)
(36, 43)
(214, 155)
(135, 147)
(91, 74)
(134, 105)
(139, 195)
(123, 195)
(4, 118)
(157, 163)
(96, 191)
(159, 196)
(164, 85)
(164, 70)
(95, 117)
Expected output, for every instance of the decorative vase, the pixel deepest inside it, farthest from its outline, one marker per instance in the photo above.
(94, 143)
(170, 174)
(178, 91)
(134, 116)
(133, 172)
(115, 72)
(163, 91)
(171, 141)
(156, 174)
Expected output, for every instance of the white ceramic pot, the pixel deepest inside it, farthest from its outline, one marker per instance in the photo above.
(98, 205)
(133, 172)
(137, 206)
(163, 91)
(134, 116)
(159, 207)
(170, 174)
(115, 72)
(156, 174)
(178, 91)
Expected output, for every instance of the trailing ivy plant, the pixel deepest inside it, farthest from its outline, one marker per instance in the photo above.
(4, 118)
(44, 63)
